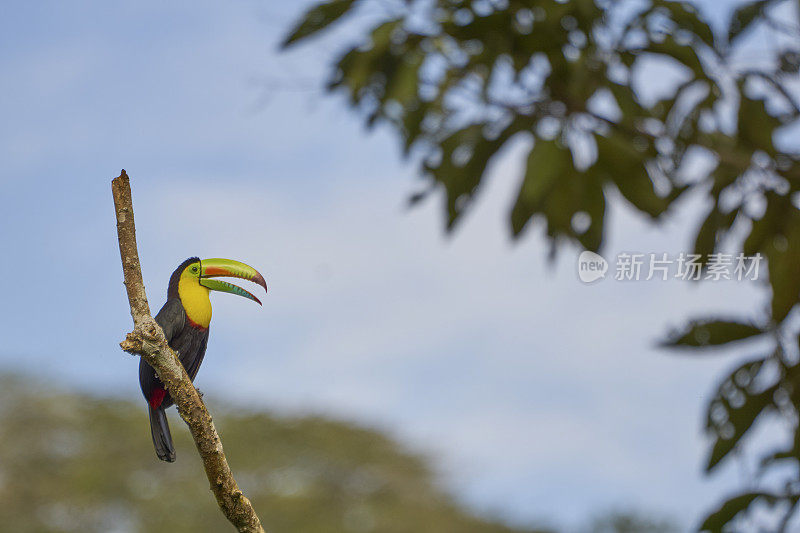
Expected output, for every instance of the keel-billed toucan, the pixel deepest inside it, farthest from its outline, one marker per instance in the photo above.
(185, 319)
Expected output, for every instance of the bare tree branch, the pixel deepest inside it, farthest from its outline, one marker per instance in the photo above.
(147, 340)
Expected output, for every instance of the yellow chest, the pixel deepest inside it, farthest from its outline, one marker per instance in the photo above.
(195, 300)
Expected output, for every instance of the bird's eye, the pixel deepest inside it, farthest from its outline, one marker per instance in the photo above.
(194, 269)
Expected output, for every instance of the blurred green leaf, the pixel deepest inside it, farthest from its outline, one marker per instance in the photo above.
(547, 164)
(619, 162)
(743, 17)
(319, 17)
(402, 81)
(411, 123)
(756, 125)
(736, 405)
(732, 507)
(714, 332)
(627, 101)
(777, 235)
(789, 62)
(417, 197)
(724, 176)
(553, 187)
(714, 226)
(771, 223)
(687, 16)
(783, 258)
(465, 155)
(359, 66)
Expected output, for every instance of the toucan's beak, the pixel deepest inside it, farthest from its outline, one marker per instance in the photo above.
(213, 268)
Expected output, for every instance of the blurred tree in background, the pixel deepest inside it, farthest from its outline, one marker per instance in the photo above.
(75, 463)
(458, 80)
(78, 463)
(627, 522)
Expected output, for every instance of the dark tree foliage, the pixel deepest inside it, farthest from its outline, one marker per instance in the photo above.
(458, 80)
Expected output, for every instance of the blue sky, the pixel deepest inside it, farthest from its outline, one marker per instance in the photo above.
(539, 397)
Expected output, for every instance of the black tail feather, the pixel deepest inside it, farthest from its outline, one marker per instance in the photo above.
(162, 439)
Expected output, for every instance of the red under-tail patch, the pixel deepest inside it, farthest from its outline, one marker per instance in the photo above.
(157, 397)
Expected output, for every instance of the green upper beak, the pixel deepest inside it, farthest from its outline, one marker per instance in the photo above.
(218, 267)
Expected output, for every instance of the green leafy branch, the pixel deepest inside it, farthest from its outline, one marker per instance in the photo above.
(458, 81)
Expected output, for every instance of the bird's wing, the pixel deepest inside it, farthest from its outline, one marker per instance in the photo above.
(193, 357)
(171, 318)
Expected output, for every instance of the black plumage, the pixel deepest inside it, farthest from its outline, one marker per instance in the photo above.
(189, 341)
